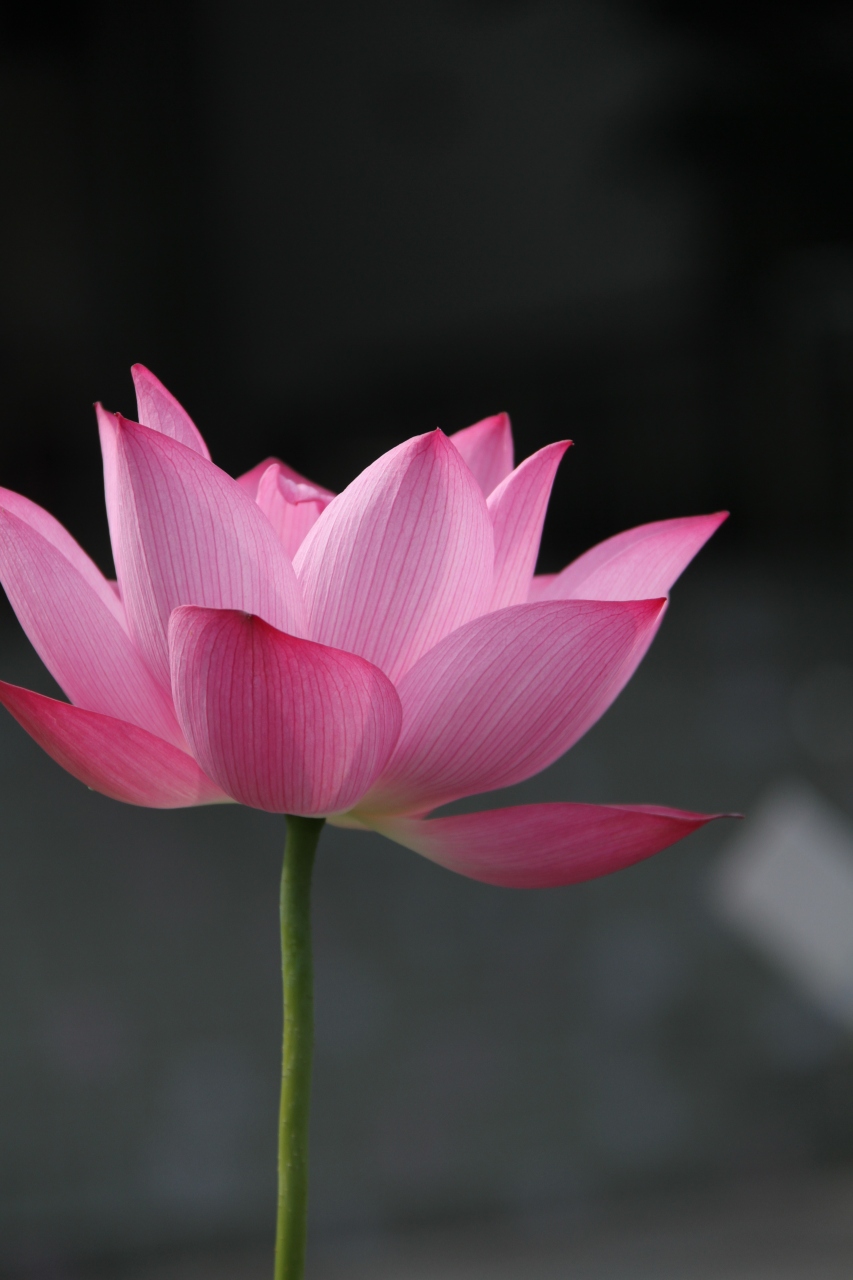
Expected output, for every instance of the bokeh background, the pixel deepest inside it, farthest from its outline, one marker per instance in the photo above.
(327, 228)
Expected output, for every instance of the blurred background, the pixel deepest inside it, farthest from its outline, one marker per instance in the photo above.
(327, 228)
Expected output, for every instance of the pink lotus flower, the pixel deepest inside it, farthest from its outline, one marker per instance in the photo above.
(366, 657)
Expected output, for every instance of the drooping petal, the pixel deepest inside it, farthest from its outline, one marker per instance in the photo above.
(56, 534)
(292, 507)
(504, 696)
(488, 450)
(186, 533)
(111, 756)
(399, 559)
(517, 507)
(159, 410)
(250, 480)
(636, 564)
(540, 846)
(281, 724)
(72, 624)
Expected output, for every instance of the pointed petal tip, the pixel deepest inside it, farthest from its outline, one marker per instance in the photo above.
(116, 421)
(487, 448)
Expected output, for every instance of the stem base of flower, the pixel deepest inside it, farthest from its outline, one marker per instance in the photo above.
(298, 1042)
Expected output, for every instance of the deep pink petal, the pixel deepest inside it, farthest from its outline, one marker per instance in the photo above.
(517, 507)
(399, 559)
(540, 846)
(637, 564)
(281, 724)
(504, 696)
(188, 534)
(487, 448)
(291, 506)
(111, 756)
(73, 627)
(250, 480)
(55, 533)
(159, 410)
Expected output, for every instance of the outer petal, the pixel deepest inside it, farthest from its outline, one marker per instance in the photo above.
(540, 846)
(637, 564)
(186, 533)
(118, 759)
(159, 410)
(292, 507)
(281, 724)
(74, 629)
(503, 697)
(400, 558)
(250, 480)
(517, 508)
(44, 523)
(487, 448)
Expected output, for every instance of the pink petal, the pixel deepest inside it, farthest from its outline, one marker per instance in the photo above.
(159, 410)
(292, 507)
(504, 696)
(636, 564)
(186, 533)
(250, 480)
(540, 846)
(50, 529)
(281, 724)
(118, 759)
(539, 587)
(487, 448)
(400, 558)
(109, 453)
(71, 620)
(517, 508)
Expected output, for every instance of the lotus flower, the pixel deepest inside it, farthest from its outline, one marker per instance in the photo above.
(365, 657)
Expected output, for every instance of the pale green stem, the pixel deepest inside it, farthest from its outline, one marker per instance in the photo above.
(296, 964)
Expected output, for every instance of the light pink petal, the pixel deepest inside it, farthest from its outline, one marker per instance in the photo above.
(636, 564)
(74, 629)
(517, 507)
(250, 480)
(159, 410)
(111, 756)
(399, 559)
(291, 506)
(59, 537)
(487, 448)
(281, 724)
(540, 846)
(539, 587)
(109, 453)
(504, 696)
(188, 534)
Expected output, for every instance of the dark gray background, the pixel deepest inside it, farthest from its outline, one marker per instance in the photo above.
(327, 229)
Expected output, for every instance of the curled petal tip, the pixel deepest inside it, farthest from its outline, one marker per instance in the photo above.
(315, 741)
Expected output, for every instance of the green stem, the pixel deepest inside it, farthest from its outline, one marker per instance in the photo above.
(291, 1227)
